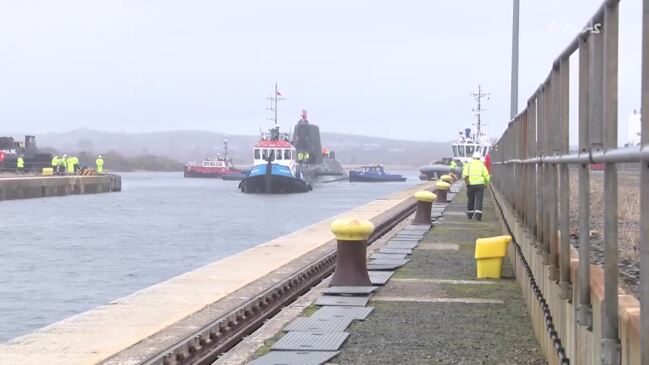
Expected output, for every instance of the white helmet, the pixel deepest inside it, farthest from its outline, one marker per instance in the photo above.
(477, 155)
(99, 156)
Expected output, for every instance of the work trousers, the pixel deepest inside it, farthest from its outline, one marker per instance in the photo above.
(475, 194)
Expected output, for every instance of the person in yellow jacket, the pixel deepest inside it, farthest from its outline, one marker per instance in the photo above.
(100, 164)
(55, 164)
(452, 165)
(20, 165)
(69, 162)
(476, 176)
(75, 164)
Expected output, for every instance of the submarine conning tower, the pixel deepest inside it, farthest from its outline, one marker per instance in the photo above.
(306, 138)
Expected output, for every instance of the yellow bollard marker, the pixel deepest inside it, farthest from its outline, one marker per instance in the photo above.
(447, 179)
(351, 261)
(441, 189)
(489, 253)
(425, 200)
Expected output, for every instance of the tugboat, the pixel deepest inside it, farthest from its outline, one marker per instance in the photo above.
(373, 173)
(317, 164)
(274, 169)
(218, 167)
(471, 139)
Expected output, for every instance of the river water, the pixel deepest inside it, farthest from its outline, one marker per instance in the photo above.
(62, 256)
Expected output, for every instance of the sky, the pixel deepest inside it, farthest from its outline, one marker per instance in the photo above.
(398, 69)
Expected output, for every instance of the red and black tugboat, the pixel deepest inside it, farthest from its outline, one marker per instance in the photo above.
(216, 167)
(274, 169)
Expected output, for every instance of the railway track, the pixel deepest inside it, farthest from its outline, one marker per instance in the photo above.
(209, 342)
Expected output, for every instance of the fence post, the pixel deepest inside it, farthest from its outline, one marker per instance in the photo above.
(644, 192)
(610, 325)
(563, 143)
(584, 309)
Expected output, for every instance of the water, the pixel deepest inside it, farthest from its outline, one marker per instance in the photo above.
(62, 256)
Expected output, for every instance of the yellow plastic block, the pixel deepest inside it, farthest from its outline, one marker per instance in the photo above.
(352, 229)
(447, 178)
(491, 247)
(489, 253)
(425, 196)
(47, 171)
(490, 268)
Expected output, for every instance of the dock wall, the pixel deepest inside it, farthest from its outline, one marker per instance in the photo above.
(48, 186)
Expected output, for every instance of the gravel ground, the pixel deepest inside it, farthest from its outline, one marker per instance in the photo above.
(446, 333)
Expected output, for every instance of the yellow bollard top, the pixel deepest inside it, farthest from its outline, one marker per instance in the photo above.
(447, 178)
(425, 196)
(443, 185)
(352, 229)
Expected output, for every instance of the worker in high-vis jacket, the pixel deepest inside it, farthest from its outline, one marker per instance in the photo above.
(69, 162)
(20, 165)
(100, 164)
(452, 165)
(476, 176)
(55, 164)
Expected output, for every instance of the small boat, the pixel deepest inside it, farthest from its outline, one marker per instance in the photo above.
(217, 167)
(373, 173)
(274, 169)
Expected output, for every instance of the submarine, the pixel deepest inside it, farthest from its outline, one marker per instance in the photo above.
(317, 165)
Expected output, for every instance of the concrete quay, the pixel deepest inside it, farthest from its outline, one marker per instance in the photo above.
(432, 310)
(135, 328)
(27, 187)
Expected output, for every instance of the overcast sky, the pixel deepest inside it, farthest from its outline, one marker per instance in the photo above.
(401, 69)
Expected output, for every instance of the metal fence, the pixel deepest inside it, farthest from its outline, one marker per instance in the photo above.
(531, 171)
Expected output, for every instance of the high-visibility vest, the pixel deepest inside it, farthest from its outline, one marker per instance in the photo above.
(70, 163)
(100, 165)
(477, 172)
(20, 163)
(300, 156)
(55, 161)
(453, 164)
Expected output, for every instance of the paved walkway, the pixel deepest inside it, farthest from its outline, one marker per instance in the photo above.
(433, 311)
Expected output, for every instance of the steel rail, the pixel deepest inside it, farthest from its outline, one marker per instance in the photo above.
(209, 342)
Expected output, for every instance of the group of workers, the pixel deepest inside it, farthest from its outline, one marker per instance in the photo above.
(303, 157)
(69, 165)
(476, 175)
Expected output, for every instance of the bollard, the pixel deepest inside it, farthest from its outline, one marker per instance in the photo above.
(447, 179)
(441, 189)
(489, 253)
(351, 261)
(425, 201)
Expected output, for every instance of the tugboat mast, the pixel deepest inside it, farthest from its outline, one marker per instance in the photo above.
(478, 109)
(276, 97)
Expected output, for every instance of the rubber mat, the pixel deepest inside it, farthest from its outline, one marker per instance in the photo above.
(319, 324)
(313, 341)
(383, 267)
(295, 358)
(356, 313)
(388, 256)
(355, 301)
(389, 249)
(402, 244)
(349, 290)
(380, 277)
(416, 227)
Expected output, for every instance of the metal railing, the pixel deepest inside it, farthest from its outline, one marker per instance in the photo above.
(531, 171)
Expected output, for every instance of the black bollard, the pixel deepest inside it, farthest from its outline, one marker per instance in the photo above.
(351, 261)
(425, 201)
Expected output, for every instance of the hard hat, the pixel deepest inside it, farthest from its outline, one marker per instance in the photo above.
(476, 155)
(99, 156)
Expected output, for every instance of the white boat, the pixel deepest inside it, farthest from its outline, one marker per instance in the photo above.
(470, 139)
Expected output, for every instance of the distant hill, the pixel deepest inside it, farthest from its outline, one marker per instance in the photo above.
(188, 145)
